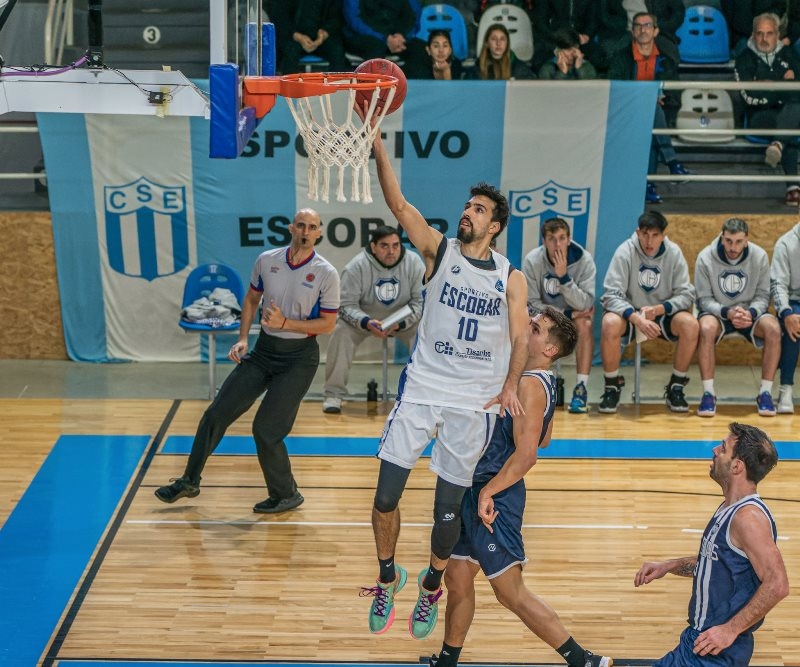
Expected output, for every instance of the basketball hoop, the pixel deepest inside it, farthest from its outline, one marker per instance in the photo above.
(330, 142)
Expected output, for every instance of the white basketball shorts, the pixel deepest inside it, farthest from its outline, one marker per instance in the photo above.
(460, 438)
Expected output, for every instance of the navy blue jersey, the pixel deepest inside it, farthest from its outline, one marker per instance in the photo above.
(502, 446)
(724, 579)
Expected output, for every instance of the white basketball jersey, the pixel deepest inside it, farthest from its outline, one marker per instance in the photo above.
(463, 346)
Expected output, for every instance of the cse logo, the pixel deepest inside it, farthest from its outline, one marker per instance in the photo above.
(443, 347)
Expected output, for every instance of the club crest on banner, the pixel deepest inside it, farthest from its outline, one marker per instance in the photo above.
(551, 200)
(146, 228)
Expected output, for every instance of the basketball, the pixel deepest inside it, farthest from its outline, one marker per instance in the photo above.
(386, 68)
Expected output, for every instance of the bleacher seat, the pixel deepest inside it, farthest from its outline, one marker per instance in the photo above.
(704, 36)
(445, 17)
(518, 24)
(703, 109)
(312, 63)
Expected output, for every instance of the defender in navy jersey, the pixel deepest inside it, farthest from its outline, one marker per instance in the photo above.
(739, 573)
(299, 295)
(468, 357)
(492, 510)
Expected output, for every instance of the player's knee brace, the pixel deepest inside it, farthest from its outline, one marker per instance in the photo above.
(391, 482)
(446, 528)
(385, 502)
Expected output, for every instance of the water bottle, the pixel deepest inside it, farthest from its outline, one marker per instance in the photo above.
(372, 390)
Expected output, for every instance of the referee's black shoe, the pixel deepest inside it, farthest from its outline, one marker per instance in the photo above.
(275, 505)
(181, 487)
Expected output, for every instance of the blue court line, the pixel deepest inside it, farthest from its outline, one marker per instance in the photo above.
(47, 541)
(558, 449)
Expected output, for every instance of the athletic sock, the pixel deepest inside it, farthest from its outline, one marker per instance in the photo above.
(573, 653)
(387, 573)
(448, 656)
(433, 579)
(766, 385)
(582, 378)
(708, 386)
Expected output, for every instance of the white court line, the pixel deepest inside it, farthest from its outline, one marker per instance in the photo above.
(696, 530)
(361, 524)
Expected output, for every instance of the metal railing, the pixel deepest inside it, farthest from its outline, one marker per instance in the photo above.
(744, 132)
(20, 128)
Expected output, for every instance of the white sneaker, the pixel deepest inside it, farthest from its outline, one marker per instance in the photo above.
(332, 405)
(773, 154)
(785, 403)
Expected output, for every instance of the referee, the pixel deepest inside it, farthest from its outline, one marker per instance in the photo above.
(299, 295)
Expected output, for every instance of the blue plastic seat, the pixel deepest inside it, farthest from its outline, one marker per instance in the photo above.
(445, 17)
(704, 36)
(203, 280)
(313, 63)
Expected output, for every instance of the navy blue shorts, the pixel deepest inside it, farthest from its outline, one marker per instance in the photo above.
(727, 329)
(737, 654)
(498, 551)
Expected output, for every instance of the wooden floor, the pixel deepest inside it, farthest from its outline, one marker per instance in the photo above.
(208, 580)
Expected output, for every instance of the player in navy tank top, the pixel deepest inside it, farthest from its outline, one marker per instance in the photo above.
(492, 510)
(738, 573)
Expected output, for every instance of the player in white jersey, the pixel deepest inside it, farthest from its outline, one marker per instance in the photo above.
(738, 573)
(299, 295)
(470, 353)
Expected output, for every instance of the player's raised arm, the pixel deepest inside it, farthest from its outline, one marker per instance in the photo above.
(425, 238)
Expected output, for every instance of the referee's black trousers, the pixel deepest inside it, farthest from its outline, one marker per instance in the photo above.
(284, 369)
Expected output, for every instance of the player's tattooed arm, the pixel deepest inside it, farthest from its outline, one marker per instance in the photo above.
(684, 567)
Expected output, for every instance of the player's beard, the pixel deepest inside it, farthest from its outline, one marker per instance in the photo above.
(465, 235)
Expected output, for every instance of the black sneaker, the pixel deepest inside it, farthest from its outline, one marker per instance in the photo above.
(593, 660)
(181, 487)
(275, 505)
(673, 393)
(611, 392)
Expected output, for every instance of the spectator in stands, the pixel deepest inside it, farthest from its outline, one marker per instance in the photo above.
(647, 291)
(305, 27)
(785, 288)
(740, 15)
(767, 59)
(578, 15)
(561, 273)
(442, 64)
(496, 60)
(731, 278)
(377, 282)
(568, 62)
(615, 21)
(642, 59)
(377, 29)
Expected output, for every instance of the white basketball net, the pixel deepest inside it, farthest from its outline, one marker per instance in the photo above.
(341, 145)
